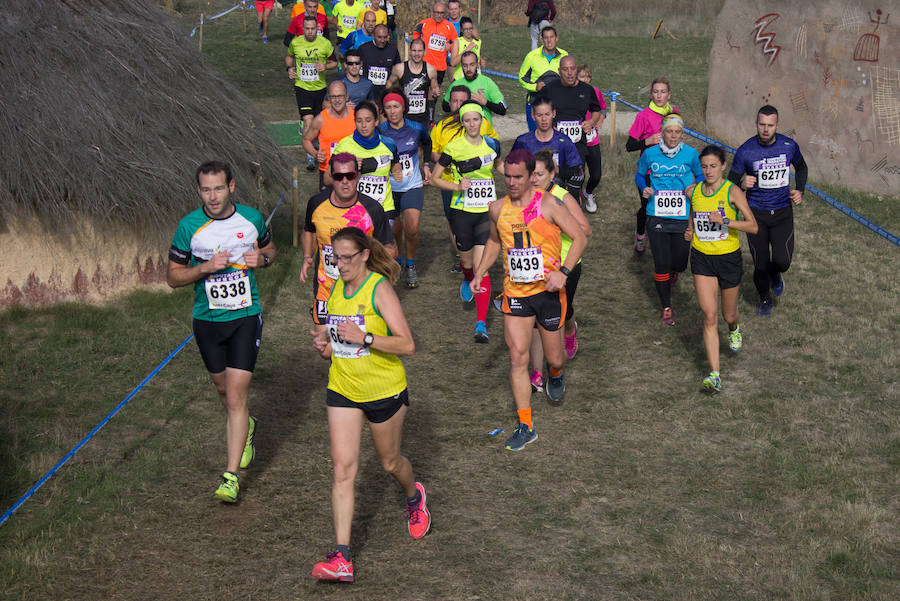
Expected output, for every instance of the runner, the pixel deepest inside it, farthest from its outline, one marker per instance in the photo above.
(762, 168)
(418, 81)
(539, 61)
(346, 17)
(454, 15)
(376, 157)
(592, 139)
(329, 211)
(329, 127)
(483, 89)
(295, 27)
(263, 10)
(663, 173)
(526, 226)
(472, 158)
(216, 248)
(438, 34)
(366, 382)
(643, 134)
(381, 17)
(570, 172)
(542, 179)
(358, 87)
(577, 110)
(379, 57)
(540, 14)
(716, 254)
(467, 42)
(410, 138)
(307, 59)
(364, 34)
(442, 134)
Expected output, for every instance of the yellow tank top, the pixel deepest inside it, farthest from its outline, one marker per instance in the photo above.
(361, 374)
(462, 49)
(530, 247)
(711, 238)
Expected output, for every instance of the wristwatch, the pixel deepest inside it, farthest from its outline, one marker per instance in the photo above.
(726, 221)
(368, 339)
(265, 259)
(565, 271)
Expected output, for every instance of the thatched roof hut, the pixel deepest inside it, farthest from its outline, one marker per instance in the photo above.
(107, 109)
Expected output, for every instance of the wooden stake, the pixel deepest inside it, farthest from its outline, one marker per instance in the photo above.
(405, 49)
(295, 205)
(201, 32)
(479, 13)
(656, 31)
(244, 13)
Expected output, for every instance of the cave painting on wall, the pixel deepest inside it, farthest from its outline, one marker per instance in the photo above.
(766, 37)
(867, 46)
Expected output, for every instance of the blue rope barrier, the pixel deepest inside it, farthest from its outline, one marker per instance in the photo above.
(222, 14)
(112, 414)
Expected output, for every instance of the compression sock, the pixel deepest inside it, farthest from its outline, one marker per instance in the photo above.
(483, 299)
(663, 288)
(468, 273)
(554, 372)
(525, 417)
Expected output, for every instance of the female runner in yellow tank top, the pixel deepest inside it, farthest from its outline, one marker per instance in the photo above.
(366, 381)
(716, 253)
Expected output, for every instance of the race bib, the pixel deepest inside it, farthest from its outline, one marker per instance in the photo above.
(480, 194)
(229, 291)
(416, 103)
(339, 347)
(591, 136)
(773, 177)
(406, 165)
(571, 129)
(378, 75)
(308, 72)
(706, 230)
(374, 186)
(525, 264)
(329, 264)
(437, 42)
(348, 22)
(669, 203)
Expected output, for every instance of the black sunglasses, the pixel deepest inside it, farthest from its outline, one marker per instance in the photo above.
(340, 177)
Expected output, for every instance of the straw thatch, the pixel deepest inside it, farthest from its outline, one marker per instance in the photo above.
(107, 109)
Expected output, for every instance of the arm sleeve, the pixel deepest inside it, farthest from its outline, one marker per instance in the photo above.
(497, 109)
(633, 144)
(734, 177)
(495, 101)
(288, 37)
(445, 105)
(640, 174)
(801, 171)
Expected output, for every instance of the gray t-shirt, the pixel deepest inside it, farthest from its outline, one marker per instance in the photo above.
(359, 91)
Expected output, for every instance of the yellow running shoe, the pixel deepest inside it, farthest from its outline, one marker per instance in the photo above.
(228, 490)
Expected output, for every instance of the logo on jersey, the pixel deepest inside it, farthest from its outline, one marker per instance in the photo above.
(240, 235)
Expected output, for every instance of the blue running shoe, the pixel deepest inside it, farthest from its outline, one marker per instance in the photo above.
(765, 308)
(481, 333)
(465, 293)
(556, 387)
(522, 436)
(778, 289)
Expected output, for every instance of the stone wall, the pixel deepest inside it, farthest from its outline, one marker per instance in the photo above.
(831, 68)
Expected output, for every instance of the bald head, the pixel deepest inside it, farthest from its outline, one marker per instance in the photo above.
(381, 35)
(568, 71)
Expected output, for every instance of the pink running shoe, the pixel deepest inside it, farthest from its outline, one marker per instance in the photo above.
(667, 316)
(334, 569)
(537, 381)
(571, 343)
(419, 516)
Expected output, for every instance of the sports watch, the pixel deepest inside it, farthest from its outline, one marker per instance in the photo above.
(368, 339)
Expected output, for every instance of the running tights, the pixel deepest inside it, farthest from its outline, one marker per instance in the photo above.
(776, 231)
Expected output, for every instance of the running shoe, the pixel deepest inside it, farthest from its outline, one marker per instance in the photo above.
(334, 569)
(735, 339)
(481, 333)
(465, 292)
(265, 39)
(522, 436)
(537, 381)
(249, 449)
(556, 387)
(590, 205)
(640, 243)
(412, 278)
(667, 317)
(571, 343)
(310, 163)
(765, 307)
(228, 490)
(455, 266)
(712, 382)
(419, 516)
(498, 302)
(778, 287)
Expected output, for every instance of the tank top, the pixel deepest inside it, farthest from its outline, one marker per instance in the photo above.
(476, 163)
(375, 183)
(415, 87)
(361, 374)
(530, 247)
(462, 49)
(333, 131)
(712, 238)
(565, 242)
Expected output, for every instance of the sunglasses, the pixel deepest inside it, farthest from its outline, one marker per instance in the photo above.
(341, 177)
(349, 64)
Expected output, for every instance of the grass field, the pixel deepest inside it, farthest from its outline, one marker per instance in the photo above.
(783, 486)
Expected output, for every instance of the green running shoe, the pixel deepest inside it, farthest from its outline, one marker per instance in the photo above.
(735, 339)
(712, 382)
(249, 449)
(228, 490)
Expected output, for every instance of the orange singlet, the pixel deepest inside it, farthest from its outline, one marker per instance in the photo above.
(333, 131)
(530, 247)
